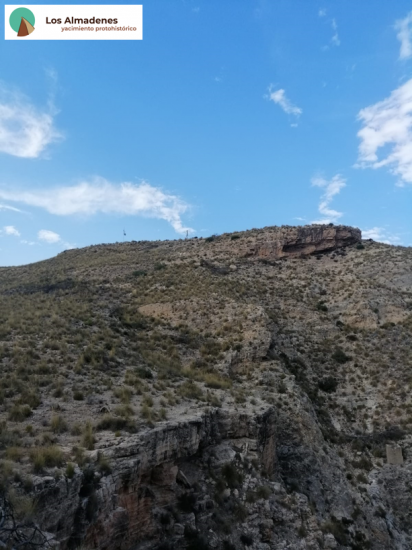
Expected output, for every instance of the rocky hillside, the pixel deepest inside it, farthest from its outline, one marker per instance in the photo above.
(246, 391)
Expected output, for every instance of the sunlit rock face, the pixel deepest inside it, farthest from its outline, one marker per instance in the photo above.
(302, 241)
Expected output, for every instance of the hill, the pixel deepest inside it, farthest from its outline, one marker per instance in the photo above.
(251, 389)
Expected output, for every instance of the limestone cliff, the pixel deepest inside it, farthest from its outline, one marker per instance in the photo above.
(302, 241)
(149, 473)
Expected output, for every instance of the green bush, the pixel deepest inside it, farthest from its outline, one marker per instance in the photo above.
(231, 475)
(70, 470)
(30, 398)
(58, 424)
(363, 463)
(328, 384)
(263, 492)
(18, 413)
(126, 411)
(14, 453)
(215, 381)
(115, 424)
(88, 439)
(340, 356)
(46, 457)
(144, 373)
(190, 390)
(103, 465)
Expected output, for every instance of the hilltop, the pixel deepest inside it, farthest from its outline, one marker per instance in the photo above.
(229, 392)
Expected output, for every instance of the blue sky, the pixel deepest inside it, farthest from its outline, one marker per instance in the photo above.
(228, 115)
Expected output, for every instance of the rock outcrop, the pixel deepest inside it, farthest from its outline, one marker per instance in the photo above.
(267, 481)
(149, 472)
(303, 241)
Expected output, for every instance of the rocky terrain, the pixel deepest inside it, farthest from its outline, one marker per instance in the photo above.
(245, 391)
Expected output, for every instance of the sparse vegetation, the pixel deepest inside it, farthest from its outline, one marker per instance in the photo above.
(143, 333)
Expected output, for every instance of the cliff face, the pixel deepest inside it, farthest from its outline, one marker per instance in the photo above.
(303, 241)
(132, 505)
(266, 481)
(223, 393)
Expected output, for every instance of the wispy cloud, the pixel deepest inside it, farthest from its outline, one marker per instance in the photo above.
(331, 188)
(6, 207)
(279, 97)
(335, 40)
(99, 195)
(10, 230)
(25, 130)
(381, 235)
(404, 28)
(388, 122)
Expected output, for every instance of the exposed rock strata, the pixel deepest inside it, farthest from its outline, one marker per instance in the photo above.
(162, 490)
(302, 241)
(120, 510)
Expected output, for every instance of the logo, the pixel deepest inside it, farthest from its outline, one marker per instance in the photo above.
(22, 21)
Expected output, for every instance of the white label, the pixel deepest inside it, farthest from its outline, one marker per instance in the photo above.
(71, 22)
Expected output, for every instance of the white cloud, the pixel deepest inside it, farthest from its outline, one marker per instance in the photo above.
(48, 236)
(279, 97)
(381, 235)
(388, 122)
(25, 130)
(404, 28)
(10, 230)
(322, 13)
(30, 243)
(99, 195)
(332, 188)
